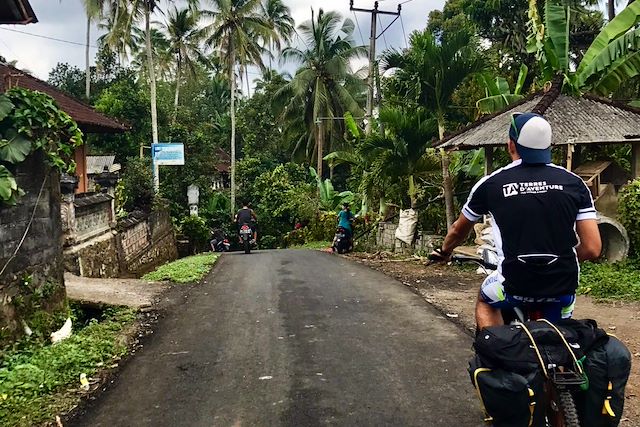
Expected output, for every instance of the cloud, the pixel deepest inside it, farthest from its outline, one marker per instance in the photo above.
(66, 20)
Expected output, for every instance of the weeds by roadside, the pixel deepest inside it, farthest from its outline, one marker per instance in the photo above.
(615, 281)
(185, 270)
(39, 381)
(313, 245)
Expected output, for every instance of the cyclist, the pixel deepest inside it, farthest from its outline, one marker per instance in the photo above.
(536, 209)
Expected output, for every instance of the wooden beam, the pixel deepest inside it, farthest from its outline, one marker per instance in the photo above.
(635, 160)
(570, 149)
(488, 160)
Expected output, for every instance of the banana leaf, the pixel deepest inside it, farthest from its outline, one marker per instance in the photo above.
(613, 59)
(620, 71)
(623, 22)
(522, 77)
(492, 104)
(557, 32)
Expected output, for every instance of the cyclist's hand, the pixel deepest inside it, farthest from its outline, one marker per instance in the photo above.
(438, 256)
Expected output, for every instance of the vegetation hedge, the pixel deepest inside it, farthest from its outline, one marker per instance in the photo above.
(628, 209)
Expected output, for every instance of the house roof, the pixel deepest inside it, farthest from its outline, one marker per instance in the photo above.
(224, 161)
(584, 120)
(16, 12)
(88, 119)
(97, 164)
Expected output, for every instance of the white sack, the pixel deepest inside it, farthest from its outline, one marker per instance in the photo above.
(407, 226)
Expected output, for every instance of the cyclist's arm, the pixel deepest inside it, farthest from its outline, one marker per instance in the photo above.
(254, 216)
(590, 244)
(457, 234)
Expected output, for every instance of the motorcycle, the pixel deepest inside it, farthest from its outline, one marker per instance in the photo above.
(342, 242)
(220, 243)
(246, 237)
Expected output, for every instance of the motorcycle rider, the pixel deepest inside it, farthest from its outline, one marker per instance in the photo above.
(536, 209)
(345, 219)
(247, 216)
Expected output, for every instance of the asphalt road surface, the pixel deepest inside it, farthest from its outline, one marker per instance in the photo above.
(295, 338)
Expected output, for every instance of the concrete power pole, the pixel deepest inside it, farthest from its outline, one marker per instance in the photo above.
(372, 54)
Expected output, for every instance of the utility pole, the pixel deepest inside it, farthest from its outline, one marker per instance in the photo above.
(372, 53)
(320, 146)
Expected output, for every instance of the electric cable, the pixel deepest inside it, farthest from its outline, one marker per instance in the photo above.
(48, 38)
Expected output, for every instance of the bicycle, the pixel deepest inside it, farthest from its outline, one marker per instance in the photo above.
(561, 382)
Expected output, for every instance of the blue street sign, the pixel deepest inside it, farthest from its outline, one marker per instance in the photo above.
(171, 154)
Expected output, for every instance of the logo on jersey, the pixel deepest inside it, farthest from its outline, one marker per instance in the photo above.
(510, 190)
(539, 187)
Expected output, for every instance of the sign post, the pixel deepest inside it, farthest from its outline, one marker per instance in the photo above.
(165, 154)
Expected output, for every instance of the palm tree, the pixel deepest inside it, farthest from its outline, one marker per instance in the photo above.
(429, 73)
(94, 10)
(324, 87)
(233, 30)
(124, 16)
(185, 37)
(279, 18)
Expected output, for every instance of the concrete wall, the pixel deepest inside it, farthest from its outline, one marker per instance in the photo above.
(386, 240)
(134, 246)
(33, 281)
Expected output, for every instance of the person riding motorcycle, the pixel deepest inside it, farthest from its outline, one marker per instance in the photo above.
(536, 209)
(247, 216)
(345, 219)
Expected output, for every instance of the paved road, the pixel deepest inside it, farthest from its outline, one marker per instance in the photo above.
(295, 338)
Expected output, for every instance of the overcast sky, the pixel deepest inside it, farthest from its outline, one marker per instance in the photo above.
(65, 20)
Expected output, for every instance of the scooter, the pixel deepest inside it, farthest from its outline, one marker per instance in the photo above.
(246, 237)
(342, 242)
(220, 243)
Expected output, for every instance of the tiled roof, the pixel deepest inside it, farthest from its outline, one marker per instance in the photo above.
(16, 12)
(583, 120)
(224, 161)
(96, 164)
(88, 119)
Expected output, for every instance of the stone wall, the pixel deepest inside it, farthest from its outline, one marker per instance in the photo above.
(132, 247)
(32, 281)
(386, 240)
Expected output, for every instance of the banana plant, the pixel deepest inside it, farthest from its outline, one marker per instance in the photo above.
(613, 56)
(498, 93)
(330, 199)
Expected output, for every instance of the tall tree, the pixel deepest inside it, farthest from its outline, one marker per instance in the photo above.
(185, 37)
(123, 16)
(94, 10)
(324, 87)
(233, 30)
(429, 73)
(279, 18)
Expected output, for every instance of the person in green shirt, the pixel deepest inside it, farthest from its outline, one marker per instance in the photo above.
(345, 218)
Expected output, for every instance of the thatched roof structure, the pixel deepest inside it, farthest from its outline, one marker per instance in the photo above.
(584, 120)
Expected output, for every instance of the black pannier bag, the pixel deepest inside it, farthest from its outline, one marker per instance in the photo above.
(508, 398)
(607, 367)
(509, 347)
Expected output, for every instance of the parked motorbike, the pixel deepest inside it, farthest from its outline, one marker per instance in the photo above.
(220, 243)
(342, 242)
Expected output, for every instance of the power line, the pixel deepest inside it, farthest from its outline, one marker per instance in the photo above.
(358, 25)
(386, 46)
(48, 38)
(404, 33)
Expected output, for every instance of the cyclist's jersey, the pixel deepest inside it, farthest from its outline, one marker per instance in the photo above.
(534, 209)
(245, 216)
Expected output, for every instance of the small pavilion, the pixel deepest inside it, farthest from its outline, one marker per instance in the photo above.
(577, 122)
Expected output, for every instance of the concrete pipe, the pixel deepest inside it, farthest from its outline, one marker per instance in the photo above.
(615, 240)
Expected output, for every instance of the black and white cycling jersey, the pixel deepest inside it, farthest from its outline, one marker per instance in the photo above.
(534, 208)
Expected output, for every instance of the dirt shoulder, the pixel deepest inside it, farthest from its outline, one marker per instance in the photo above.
(453, 291)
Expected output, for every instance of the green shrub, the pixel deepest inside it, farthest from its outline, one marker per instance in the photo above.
(628, 209)
(617, 281)
(196, 230)
(137, 185)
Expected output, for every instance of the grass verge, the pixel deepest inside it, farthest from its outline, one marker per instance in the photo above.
(185, 270)
(610, 281)
(313, 245)
(39, 381)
